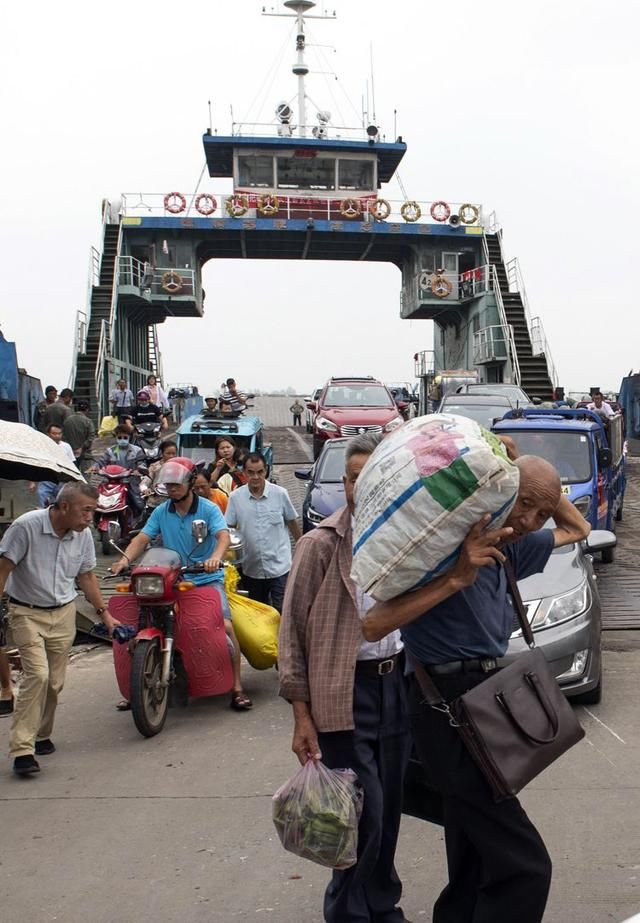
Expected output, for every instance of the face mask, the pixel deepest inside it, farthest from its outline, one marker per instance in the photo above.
(123, 443)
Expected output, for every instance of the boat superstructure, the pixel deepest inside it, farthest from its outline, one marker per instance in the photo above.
(302, 187)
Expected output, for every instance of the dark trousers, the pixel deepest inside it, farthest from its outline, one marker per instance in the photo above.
(297, 419)
(499, 868)
(377, 750)
(269, 591)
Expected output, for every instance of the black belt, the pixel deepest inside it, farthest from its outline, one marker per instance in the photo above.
(377, 667)
(477, 665)
(18, 602)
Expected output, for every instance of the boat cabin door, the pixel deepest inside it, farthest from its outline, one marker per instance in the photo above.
(451, 273)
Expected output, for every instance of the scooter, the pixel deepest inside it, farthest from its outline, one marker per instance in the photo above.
(147, 437)
(172, 638)
(113, 504)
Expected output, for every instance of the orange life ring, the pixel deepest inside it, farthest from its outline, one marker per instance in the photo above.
(205, 203)
(350, 208)
(172, 282)
(268, 204)
(441, 287)
(411, 211)
(236, 205)
(468, 213)
(379, 209)
(440, 211)
(175, 202)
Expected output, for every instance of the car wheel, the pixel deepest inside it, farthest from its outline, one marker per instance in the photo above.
(593, 697)
(317, 447)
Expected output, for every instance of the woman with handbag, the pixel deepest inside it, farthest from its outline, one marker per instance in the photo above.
(454, 630)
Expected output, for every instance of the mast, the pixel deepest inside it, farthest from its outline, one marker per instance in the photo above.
(301, 68)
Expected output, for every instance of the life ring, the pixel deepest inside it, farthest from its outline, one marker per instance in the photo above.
(205, 203)
(379, 209)
(441, 287)
(172, 282)
(268, 204)
(350, 208)
(411, 211)
(468, 213)
(440, 211)
(175, 202)
(236, 205)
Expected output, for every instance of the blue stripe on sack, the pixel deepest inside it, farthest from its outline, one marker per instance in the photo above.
(390, 510)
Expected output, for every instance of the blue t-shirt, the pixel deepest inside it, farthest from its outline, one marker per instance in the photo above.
(477, 621)
(175, 531)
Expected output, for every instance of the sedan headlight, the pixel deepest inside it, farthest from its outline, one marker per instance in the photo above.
(393, 424)
(558, 609)
(326, 425)
(314, 516)
(148, 585)
(583, 505)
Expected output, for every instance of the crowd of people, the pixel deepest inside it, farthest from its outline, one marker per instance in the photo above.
(344, 659)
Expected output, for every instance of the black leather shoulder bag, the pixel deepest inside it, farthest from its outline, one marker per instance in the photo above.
(517, 721)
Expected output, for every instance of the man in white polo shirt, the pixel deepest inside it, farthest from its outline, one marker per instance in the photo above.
(266, 517)
(42, 554)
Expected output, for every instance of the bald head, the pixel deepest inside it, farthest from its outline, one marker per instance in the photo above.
(539, 494)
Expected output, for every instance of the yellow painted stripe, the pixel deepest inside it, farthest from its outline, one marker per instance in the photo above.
(132, 220)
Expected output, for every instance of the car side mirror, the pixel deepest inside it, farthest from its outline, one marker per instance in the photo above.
(303, 474)
(199, 530)
(605, 458)
(599, 539)
(312, 405)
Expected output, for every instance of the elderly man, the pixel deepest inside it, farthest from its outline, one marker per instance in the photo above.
(349, 701)
(457, 627)
(42, 555)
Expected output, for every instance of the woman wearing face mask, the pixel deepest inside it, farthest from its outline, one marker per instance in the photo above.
(227, 472)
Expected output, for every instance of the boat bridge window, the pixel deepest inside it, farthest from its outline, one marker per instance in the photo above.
(306, 173)
(255, 170)
(355, 175)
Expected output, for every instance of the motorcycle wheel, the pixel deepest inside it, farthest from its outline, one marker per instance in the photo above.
(104, 541)
(149, 700)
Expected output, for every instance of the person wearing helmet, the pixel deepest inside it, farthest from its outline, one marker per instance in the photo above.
(172, 522)
(146, 412)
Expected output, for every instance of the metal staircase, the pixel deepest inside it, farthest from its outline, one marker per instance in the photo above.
(536, 368)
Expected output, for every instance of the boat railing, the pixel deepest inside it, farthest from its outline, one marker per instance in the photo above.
(326, 132)
(502, 314)
(492, 344)
(424, 363)
(152, 281)
(346, 205)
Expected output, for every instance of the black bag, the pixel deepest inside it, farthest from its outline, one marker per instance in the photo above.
(517, 721)
(419, 798)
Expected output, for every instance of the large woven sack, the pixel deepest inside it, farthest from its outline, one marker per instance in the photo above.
(418, 496)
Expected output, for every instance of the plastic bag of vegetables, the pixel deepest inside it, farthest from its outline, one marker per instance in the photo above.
(316, 814)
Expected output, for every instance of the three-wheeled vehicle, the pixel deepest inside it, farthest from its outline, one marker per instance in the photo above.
(586, 450)
(196, 437)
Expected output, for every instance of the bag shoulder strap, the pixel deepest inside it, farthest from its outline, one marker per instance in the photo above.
(521, 612)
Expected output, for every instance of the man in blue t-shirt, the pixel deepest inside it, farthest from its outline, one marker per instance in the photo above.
(457, 626)
(172, 521)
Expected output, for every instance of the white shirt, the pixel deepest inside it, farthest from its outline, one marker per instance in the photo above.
(263, 524)
(68, 450)
(388, 646)
(605, 409)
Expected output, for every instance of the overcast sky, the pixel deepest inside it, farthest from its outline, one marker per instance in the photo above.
(530, 109)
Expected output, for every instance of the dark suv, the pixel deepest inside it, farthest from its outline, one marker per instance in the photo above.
(350, 406)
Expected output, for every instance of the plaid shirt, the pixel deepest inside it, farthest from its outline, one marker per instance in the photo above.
(320, 631)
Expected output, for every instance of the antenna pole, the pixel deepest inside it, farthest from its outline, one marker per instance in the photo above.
(210, 119)
(373, 92)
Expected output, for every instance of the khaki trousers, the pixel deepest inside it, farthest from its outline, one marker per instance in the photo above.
(43, 638)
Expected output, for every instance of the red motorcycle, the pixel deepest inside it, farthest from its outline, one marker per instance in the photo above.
(172, 638)
(113, 503)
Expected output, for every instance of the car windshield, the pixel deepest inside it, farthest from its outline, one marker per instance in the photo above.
(357, 396)
(331, 465)
(484, 414)
(569, 453)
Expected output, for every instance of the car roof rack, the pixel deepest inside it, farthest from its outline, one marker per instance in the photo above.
(352, 378)
(220, 425)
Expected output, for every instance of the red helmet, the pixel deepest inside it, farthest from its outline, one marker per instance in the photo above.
(178, 470)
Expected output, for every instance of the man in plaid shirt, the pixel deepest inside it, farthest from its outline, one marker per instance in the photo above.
(349, 701)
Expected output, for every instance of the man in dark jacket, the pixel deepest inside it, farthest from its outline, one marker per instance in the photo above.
(79, 431)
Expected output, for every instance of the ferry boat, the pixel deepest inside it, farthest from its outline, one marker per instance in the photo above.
(306, 188)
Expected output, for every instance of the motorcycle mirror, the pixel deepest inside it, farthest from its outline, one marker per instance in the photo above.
(114, 531)
(199, 530)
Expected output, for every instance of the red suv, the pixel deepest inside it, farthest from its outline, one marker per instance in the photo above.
(351, 406)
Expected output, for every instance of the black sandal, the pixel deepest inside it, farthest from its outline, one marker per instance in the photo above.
(240, 701)
(124, 705)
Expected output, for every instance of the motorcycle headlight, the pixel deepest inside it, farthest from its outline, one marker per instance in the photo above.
(583, 505)
(558, 609)
(393, 424)
(148, 585)
(327, 425)
(314, 516)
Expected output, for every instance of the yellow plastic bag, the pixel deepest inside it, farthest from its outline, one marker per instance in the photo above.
(107, 425)
(255, 624)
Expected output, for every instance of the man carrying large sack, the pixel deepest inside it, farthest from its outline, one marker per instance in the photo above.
(457, 626)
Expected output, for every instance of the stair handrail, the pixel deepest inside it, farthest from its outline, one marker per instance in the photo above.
(79, 344)
(516, 284)
(502, 314)
(103, 354)
(540, 347)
